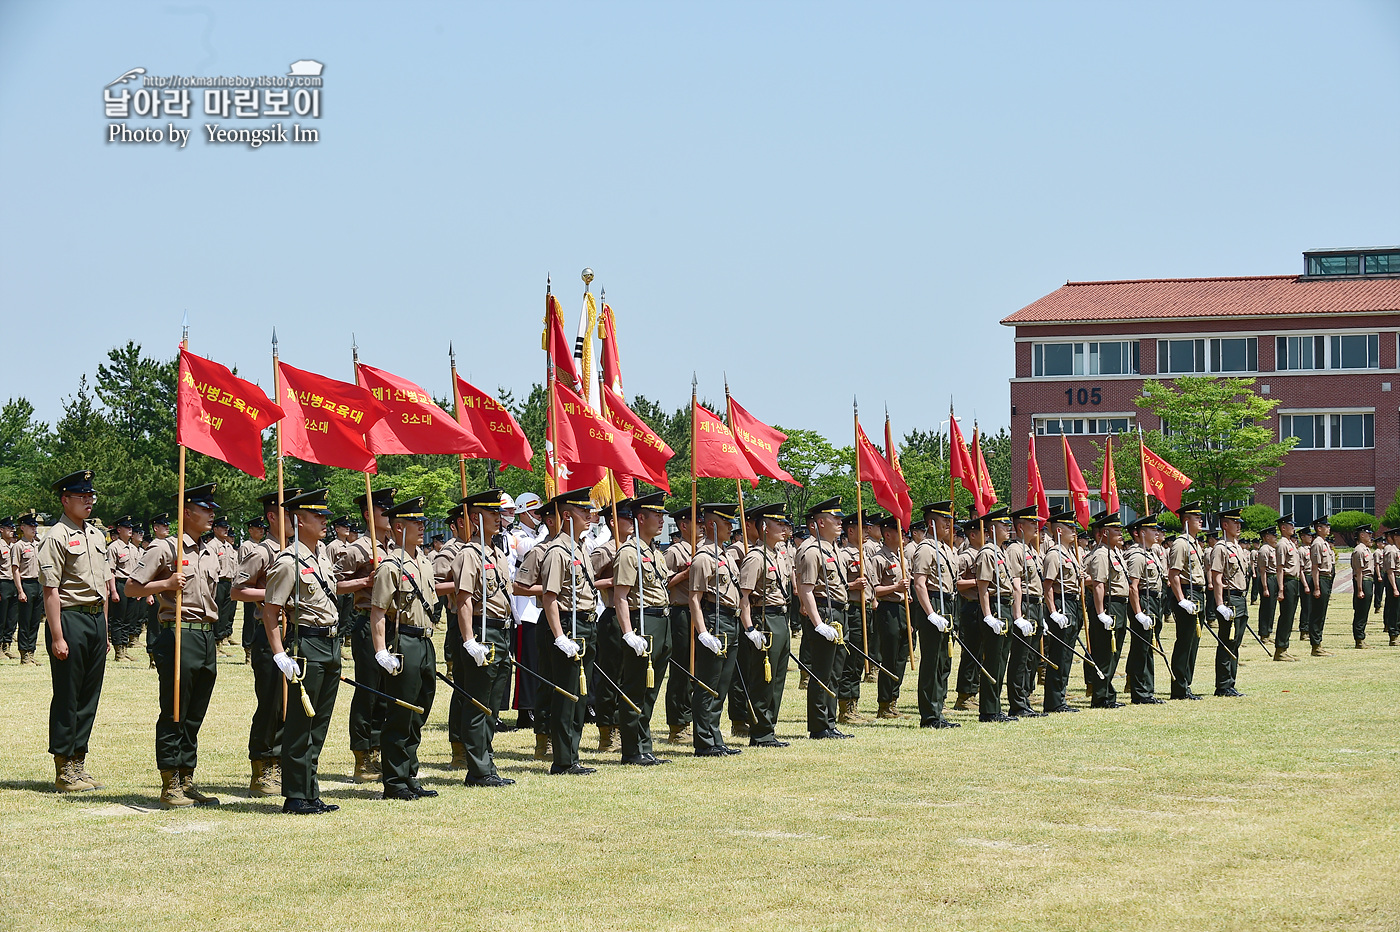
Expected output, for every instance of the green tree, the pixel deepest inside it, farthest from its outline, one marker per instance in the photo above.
(1220, 432)
(24, 444)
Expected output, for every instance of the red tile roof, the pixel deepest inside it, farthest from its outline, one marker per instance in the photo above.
(1187, 298)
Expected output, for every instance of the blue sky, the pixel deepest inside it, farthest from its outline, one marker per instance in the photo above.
(823, 200)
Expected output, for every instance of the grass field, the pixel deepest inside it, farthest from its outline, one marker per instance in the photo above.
(1277, 811)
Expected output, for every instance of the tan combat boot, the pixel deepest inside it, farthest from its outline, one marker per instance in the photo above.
(247, 656)
(364, 773)
(192, 792)
(5, 649)
(172, 792)
(27, 657)
(961, 704)
(679, 735)
(257, 784)
(1283, 655)
(80, 763)
(887, 710)
(66, 778)
(1395, 640)
(272, 773)
(847, 713)
(802, 680)
(607, 738)
(738, 729)
(869, 677)
(1361, 645)
(1317, 651)
(119, 653)
(459, 755)
(542, 749)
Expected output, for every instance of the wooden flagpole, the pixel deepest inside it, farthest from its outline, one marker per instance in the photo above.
(457, 413)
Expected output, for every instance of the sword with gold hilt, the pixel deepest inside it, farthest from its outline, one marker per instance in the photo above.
(573, 607)
(642, 602)
(296, 622)
(490, 648)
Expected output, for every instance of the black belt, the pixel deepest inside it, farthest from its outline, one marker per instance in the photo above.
(1032, 599)
(94, 609)
(414, 631)
(1194, 590)
(775, 609)
(317, 631)
(1235, 591)
(1118, 599)
(709, 606)
(187, 625)
(1325, 575)
(501, 624)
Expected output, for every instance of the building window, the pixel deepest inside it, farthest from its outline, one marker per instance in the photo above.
(1386, 263)
(1054, 426)
(1301, 353)
(1334, 265)
(1307, 507)
(1338, 351)
(1117, 358)
(1234, 354)
(1355, 351)
(1181, 356)
(1330, 431)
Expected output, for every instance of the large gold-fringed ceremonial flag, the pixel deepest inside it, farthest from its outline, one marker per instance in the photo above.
(220, 415)
(583, 346)
(415, 423)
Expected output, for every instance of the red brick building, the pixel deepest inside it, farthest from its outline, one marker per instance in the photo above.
(1324, 344)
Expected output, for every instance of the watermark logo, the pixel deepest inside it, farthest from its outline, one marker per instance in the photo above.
(294, 96)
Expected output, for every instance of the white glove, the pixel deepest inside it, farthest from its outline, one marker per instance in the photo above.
(710, 642)
(568, 645)
(1023, 626)
(938, 621)
(388, 661)
(1225, 611)
(1060, 618)
(995, 623)
(1144, 620)
(476, 650)
(1106, 620)
(287, 665)
(755, 637)
(825, 630)
(1188, 606)
(636, 642)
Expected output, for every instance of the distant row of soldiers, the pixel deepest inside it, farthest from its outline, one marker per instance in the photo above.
(599, 621)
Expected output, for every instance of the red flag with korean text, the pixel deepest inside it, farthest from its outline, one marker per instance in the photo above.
(611, 366)
(1162, 480)
(492, 424)
(1035, 486)
(759, 442)
(1078, 488)
(220, 415)
(587, 445)
(906, 503)
(717, 454)
(960, 461)
(1108, 486)
(327, 419)
(875, 469)
(651, 450)
(986, 492)
(556, 344)
(415, 423)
